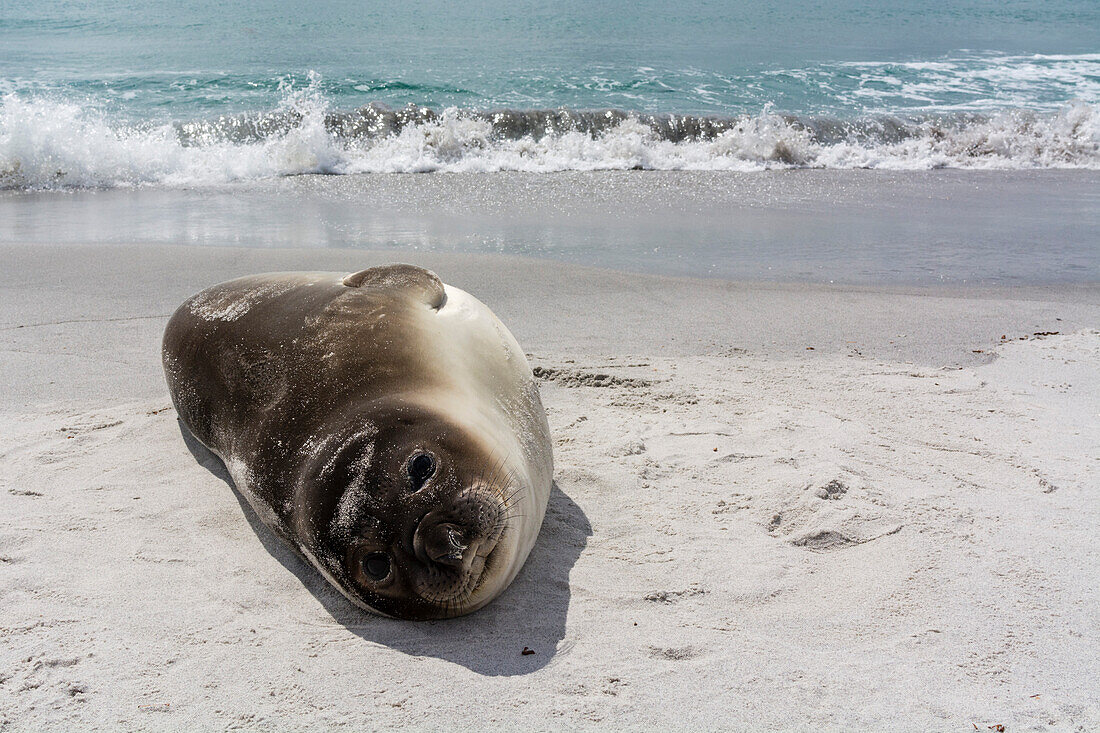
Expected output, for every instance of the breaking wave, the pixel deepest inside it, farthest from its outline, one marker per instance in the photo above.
(50, 143)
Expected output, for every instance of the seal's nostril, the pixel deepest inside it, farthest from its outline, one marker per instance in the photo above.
(451, 553)
(376, 565)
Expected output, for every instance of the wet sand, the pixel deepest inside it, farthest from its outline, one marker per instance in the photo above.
(858, 227)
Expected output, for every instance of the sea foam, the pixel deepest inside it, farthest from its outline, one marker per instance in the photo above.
(56, 143)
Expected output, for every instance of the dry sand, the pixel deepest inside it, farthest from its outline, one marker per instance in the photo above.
(892, 530)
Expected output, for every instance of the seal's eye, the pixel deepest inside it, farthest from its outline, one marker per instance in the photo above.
(420, 468)
(376, 566)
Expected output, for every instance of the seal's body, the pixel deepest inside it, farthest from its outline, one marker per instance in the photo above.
(384, 424)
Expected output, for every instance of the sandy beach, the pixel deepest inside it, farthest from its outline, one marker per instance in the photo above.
(777, 506)
(810, 292)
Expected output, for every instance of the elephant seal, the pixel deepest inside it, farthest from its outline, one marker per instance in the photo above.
(385, 425)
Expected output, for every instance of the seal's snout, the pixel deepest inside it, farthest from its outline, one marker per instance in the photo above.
(454, 542)
(441, 542)
(456, 535)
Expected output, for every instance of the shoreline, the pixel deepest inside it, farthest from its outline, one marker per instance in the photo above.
(860, 227)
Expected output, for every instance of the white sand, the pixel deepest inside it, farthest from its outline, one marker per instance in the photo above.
(881, 533)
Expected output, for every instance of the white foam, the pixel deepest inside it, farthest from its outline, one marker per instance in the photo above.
(49, 143)
(46, 143)
(980, 82)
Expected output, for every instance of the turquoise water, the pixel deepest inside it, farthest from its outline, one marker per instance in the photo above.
(186, 60)
(169, 92)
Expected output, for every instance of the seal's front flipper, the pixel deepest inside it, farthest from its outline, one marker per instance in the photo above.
(416, 281)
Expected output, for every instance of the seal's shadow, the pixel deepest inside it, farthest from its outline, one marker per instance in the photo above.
(530, 614)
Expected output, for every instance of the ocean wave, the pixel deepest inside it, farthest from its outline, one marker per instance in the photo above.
(53, 143)
(976, 82)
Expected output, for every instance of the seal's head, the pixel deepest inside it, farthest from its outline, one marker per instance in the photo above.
(414, 515)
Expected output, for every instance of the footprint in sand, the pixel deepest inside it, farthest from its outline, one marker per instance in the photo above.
(831, 515)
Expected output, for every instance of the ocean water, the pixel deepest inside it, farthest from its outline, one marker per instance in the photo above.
(109, 93)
